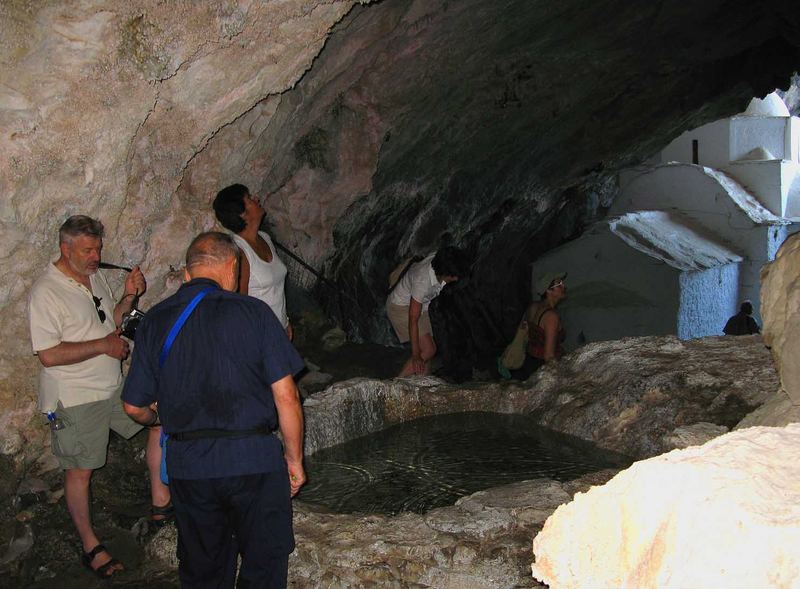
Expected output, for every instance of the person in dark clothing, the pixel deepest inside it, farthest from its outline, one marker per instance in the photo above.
(220, 379)
(742, 323)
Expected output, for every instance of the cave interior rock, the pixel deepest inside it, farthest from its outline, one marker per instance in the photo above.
(371, 131)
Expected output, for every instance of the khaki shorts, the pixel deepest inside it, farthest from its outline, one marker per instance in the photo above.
(398, 316)
(83, 443)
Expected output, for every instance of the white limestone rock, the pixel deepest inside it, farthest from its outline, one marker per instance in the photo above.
(777, 411)
(725, 514)
(780, 309)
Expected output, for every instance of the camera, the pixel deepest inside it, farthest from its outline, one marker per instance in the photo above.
(130, 321)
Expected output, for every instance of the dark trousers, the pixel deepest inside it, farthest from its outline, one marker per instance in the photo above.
(218, 519)
(530, 366)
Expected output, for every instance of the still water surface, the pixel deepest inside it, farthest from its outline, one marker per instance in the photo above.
(431, 462)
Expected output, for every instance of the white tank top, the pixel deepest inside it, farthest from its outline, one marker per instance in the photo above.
(267, 279)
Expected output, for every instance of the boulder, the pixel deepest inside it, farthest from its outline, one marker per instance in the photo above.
(725, 514)
(780, 309)
(629, 395)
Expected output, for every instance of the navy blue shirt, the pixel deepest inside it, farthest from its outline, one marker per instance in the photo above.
(218, 375)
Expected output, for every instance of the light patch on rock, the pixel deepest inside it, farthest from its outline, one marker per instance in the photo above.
(725, 514)
(780, 309)
(776, 411)
(333, 339)
(695, 434)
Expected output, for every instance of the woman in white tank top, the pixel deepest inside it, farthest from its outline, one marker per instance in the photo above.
(262, 274)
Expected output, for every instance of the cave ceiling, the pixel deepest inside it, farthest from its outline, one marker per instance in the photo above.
(371, 130)
(500, 125)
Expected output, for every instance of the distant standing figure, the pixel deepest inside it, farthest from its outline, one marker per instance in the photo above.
(262, 273)
(742, 323)
(407, 304)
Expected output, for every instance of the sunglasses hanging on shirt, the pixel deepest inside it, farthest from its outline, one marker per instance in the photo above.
(100, 313)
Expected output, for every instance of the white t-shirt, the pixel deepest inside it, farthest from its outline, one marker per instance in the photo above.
(61, 309)
(418, 283)
(267, 279)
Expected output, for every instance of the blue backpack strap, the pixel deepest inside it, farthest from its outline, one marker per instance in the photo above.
(162, 357)
(173, 333)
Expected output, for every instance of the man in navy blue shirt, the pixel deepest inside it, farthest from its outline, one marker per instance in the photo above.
(221, 388)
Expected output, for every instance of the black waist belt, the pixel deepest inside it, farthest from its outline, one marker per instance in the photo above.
(201, 434)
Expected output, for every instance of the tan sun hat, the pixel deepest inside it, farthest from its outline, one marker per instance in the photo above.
(548, 278)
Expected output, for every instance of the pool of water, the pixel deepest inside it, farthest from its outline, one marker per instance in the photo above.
(431, 462)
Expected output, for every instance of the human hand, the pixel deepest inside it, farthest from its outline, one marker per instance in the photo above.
(135, 283)
(290, 332)
(297, 476)
(115, 346)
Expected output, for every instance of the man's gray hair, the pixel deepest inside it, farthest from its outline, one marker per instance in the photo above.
(78, 225)
(211, 248)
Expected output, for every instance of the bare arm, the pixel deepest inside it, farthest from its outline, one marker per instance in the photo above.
(290, 422)
(414, 313)
(67, 353)
(244, 273)
(145, 415)
(134, 284)
(550, 323)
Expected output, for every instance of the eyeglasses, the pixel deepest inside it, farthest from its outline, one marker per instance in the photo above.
(100, 313)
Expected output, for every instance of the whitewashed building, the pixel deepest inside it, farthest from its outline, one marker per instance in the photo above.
(685, 240)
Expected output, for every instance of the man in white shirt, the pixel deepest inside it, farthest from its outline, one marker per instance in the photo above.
(407, 304)
(74, 333)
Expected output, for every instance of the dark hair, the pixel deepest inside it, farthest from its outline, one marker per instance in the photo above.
(449, 261)
(211, 248)
(746, 308)
(78, 225)
(229, 206)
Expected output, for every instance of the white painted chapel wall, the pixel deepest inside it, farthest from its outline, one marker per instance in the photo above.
(713, 145)
(764, 180)
(708, 299)
(613, 290)
(749, 133)
(688, 189)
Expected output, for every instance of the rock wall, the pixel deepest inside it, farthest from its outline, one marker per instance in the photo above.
(370, 129)
(780, 308)
(107, 109)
